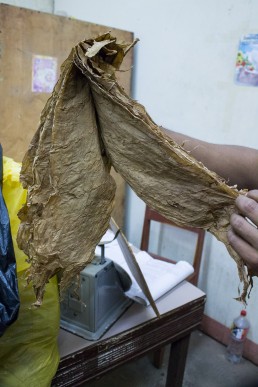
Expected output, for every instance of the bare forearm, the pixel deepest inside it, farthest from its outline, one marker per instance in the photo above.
(236, 164)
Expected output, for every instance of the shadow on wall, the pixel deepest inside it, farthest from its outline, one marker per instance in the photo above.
(205, 263)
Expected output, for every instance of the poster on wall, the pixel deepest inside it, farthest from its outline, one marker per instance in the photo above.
(44, 73)
(246, 72)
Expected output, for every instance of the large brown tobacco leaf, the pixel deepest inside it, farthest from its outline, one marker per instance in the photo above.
(70, 191)
(88, 124)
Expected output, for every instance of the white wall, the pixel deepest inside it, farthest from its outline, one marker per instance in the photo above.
(37, 5)
(183, 75)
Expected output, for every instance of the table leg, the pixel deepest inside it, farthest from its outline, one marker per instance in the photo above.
(176, 362)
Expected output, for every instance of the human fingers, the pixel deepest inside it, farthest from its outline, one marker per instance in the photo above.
(253, 194)
(244, 229)
(248, 206)
(247, 252)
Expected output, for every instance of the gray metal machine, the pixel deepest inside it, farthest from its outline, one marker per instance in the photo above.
(92, 305)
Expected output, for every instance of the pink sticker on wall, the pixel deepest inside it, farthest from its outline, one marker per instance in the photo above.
(44, 73)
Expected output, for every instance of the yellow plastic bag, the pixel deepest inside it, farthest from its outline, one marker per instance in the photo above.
(28, 349)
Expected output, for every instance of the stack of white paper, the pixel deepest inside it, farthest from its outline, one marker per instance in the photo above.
(160, 276)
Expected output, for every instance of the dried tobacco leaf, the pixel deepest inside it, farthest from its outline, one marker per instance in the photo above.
(160, 171)
(70, 190)
(66, 170)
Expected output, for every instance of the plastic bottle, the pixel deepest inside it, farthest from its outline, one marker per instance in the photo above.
(239, 330)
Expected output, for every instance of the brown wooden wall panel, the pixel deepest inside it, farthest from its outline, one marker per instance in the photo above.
(24, 33)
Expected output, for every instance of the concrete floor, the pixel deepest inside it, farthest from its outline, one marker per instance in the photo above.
(206, 366)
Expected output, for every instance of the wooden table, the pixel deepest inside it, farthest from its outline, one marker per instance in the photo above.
(137, 332)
